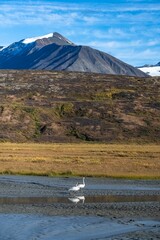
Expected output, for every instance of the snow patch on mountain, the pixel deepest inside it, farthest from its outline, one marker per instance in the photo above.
(152, 71)
(1, 48)
(30, 40)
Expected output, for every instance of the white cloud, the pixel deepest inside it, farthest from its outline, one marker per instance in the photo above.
(90, 20)
(89, 14)
(153, 43)
(116, 44)
(104, 45)
(110, 33)
(138, 57)
(35, 15)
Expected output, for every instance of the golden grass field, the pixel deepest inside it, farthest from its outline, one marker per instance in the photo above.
(108, 160)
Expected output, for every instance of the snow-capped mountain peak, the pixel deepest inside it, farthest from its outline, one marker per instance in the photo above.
(34, 43)
(33, 39)
(55, 52)
(51, 37)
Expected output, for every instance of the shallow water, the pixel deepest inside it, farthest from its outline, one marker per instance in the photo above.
(40, 208)
(78, 198)
(91, 183)
(35, 227)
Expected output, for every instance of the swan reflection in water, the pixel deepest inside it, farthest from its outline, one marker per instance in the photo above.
(77, 199)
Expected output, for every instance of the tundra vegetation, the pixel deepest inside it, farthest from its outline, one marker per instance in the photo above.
(79, 123)
(89, 159)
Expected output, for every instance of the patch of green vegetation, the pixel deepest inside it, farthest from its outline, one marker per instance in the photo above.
(64, 109)
(29, 110)
(16, 105)
(111, 93)
(35, 116)
(71, 174)
(37, 129)
(31, 95)
(8, 172)
(82, 136)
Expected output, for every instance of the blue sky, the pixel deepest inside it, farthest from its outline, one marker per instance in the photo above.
(128, 30)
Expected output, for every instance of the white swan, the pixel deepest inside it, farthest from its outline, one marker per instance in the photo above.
(82, 185)
(74, 188)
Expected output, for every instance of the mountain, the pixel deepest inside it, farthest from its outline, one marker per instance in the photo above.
(152, 70)
(55, 52)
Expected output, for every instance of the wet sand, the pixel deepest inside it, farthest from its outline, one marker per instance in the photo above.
(89, 219)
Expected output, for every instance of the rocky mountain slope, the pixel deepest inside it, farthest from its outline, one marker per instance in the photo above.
(50, 106)
(55, 52)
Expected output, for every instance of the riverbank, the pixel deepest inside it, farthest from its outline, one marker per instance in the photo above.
(45, 217)
(77, 159)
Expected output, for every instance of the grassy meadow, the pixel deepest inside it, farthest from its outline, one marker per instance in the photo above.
(114, 160)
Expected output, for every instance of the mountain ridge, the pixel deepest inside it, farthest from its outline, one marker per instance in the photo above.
(56, 52)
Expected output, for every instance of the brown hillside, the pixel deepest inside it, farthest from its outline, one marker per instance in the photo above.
(49, 106)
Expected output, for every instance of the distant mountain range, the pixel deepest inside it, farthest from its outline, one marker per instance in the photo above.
(55, 52)
(153, 70)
